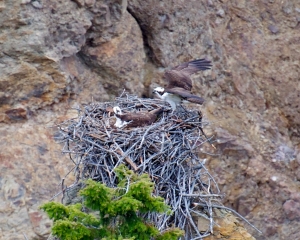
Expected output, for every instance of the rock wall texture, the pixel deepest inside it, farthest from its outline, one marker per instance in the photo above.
(58, 54)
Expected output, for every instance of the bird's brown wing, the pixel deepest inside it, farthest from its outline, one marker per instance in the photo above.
(138, 119)
(179, 76)
(195, 99)
(186, 95)
(178, 79)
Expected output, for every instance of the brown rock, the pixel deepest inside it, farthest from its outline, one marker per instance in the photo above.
(17, 114)
(182, 23)
(228, 227)
(30, 74)
(57, 54)
(292, 209)
(31, 158)
(46, 37)
(122, 57)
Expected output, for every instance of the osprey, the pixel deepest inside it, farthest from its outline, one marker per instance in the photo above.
(135, 119)
(180, 84)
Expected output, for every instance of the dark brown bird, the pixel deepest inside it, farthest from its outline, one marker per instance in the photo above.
(180, 84)
(136, 119)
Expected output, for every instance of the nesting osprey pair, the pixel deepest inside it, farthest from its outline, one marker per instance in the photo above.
(179, 85)
(178, 90)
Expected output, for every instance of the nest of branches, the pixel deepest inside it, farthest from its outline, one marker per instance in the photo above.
(167, 150)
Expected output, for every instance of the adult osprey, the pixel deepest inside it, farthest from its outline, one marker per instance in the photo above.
(180, 84)
(135, 119)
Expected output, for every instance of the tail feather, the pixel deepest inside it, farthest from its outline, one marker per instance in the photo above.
(195, 99)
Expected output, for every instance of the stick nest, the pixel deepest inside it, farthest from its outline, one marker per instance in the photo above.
(167, 150)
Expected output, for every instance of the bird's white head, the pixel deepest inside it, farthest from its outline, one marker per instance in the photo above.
(117, 110)
(159, 90)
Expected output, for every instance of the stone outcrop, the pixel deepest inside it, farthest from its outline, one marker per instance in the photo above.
(56, 55)
(41, 42)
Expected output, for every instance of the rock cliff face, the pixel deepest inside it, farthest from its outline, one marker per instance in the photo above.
(58, 54)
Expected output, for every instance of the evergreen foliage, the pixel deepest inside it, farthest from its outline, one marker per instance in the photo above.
(114, 212)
